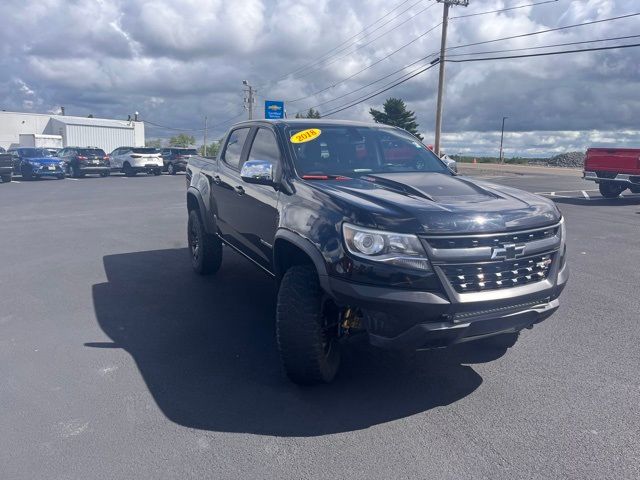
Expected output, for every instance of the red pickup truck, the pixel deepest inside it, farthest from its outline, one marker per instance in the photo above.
(613, 169)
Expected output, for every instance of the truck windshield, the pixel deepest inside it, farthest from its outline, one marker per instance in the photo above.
(35, 153)
(351, 151)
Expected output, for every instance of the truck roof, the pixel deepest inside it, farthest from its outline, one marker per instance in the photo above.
(312, 121)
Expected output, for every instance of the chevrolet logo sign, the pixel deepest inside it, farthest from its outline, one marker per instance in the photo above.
(508, 251)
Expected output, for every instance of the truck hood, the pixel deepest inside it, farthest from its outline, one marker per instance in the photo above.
(441, 203)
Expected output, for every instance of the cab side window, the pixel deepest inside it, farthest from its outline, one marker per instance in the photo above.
(265, 147)
(233, 150)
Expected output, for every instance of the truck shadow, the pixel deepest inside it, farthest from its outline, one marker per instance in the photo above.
(206, 350)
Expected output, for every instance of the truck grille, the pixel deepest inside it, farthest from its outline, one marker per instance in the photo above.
(498, 275)
(491, 240)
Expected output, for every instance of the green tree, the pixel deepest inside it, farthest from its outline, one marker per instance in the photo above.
(212, 149)
(395, 113)
(310, 114)
(182, 140)
(154, 143)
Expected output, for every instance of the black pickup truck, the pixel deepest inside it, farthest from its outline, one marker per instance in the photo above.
(367, 232)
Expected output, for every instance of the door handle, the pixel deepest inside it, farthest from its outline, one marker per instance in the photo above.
(239, 190)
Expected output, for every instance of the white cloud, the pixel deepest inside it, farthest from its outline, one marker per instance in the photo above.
(178, 60)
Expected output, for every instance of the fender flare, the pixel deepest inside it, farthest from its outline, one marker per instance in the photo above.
(309, 249)
(209, 223)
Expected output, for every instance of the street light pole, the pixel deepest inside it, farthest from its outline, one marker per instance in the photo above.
(204, 150)
(441, 77)
(250, 98)
(502, 139)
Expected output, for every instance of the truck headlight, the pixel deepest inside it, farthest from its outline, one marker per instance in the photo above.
(399, 249)
(563, 241)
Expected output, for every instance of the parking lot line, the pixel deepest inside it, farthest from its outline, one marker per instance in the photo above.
(74, 179)
(15, 181)
(586, 195)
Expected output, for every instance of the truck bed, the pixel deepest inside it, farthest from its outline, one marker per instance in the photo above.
(616, 160)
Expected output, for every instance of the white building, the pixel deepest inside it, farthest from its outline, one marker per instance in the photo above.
(67, 131)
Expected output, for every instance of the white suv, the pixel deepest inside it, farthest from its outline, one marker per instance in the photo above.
(131, 160)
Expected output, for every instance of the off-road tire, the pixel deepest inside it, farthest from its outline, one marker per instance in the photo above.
(205, 249)
(307, 354)
(157, 172)
(611, 189)
(105, 174)
(7, 178)
(62, 176)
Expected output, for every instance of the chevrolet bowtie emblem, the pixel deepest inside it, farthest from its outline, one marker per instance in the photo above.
(508, 251)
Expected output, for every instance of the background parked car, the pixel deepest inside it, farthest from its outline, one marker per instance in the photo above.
(34, 163)
(80, 161)
(175, 159)
(131, 160)
(451, 163)
(6, 167)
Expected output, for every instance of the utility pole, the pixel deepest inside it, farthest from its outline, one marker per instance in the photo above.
(441, 77)
(249, 98)
(502, 139)
(204, 150)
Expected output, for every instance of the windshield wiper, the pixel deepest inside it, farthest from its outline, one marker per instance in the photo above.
(325, 177)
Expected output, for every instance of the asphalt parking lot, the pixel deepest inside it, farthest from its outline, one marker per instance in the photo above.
(116, 362)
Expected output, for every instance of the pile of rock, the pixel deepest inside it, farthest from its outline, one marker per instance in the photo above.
(568, 160)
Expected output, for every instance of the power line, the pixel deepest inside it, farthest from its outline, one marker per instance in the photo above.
(556, 29)
(375, 81)
(368, 67)
(481, 43)
(544, 54)
(503, 9)
(394, 52)
(210, 127)
(364, 99)
(360, 47)
(327, 53)
(561, 52)
(486, 52)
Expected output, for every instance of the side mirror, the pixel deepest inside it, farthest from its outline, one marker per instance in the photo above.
(259, 172)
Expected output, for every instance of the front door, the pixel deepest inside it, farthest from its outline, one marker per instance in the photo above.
(248, 213)
(259, 219)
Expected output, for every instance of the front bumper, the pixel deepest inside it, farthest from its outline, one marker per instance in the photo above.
(405, 319)
(46, 171)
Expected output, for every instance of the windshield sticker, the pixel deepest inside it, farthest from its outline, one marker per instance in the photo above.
(306, 135)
